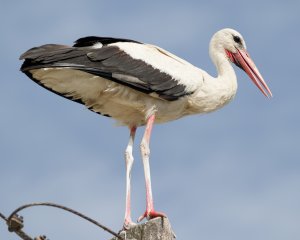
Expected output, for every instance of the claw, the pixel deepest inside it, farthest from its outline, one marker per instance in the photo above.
(151, 214)
(128, 224)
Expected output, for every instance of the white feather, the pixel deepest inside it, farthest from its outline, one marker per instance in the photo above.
(98, 45)
(126, 105)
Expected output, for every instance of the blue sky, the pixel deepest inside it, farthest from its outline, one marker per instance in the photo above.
(231, 174)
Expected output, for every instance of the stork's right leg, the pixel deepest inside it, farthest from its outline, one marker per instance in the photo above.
(129, 161)
(145, 150)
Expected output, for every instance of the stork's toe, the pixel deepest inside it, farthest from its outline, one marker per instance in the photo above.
(151, 214)
(128, 224)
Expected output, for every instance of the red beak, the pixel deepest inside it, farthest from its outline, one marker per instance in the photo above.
(242, 59)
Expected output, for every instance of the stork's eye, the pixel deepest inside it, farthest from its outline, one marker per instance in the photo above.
(237, 39)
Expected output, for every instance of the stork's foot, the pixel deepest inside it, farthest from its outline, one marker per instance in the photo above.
(151, 214)
(128, 224)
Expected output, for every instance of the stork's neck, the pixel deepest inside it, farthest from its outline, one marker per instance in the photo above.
(216, 92)
(226, 79)
(222, 63)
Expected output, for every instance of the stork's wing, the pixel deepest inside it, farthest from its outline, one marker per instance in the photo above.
(143, 67)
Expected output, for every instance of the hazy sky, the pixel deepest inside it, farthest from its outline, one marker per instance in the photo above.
(233, 174)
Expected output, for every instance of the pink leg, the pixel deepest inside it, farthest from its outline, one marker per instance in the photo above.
(129, 161)
(145, 150)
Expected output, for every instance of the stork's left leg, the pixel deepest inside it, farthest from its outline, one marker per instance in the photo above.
(145, 150)
(129, 161)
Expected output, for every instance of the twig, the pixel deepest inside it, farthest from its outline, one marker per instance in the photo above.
(15, 223)
(66, 209)
(3, 217)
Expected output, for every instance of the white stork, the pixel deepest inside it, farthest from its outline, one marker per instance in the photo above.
(140, 84)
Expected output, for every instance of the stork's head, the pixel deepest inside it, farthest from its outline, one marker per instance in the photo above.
(231, 44)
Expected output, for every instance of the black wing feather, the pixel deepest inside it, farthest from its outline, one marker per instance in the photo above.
(91, 40)
(108, 62)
